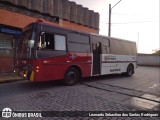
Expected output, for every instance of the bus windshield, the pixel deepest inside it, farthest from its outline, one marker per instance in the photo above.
(26, 46)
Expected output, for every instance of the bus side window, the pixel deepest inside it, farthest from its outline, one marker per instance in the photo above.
(51, 42)
(41, 42)
(46, 41)
(105, 49)
(94, 46)
(60, 42)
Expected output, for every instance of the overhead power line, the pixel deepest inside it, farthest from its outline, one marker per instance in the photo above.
(130, 22)
(126, 14)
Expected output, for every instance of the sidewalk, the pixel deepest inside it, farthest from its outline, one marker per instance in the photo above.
(9, 77)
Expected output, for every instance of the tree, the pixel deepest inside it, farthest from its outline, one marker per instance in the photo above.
(157, 52)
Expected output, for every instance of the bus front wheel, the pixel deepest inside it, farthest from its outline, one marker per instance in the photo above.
(71, 76)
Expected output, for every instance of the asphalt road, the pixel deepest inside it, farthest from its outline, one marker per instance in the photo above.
(105, 93)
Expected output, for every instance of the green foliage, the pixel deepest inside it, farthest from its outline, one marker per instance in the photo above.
(157, 52)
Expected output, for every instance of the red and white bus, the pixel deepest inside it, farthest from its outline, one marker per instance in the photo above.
(46, 52)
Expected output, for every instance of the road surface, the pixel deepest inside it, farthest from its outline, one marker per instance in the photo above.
(141, 92)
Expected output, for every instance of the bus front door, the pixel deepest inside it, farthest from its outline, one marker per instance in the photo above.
(96, 47)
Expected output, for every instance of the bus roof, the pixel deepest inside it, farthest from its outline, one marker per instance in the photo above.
(78, 31)
(112, 38)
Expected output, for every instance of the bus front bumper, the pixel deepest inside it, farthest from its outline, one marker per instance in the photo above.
(29, 75)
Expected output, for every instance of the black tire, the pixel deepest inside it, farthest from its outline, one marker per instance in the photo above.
(71, 76)
(130, 70)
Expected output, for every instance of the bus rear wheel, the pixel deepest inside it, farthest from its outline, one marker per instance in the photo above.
(130, 70)
(71, 76)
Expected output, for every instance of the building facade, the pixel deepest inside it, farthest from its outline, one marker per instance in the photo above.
(16, 14)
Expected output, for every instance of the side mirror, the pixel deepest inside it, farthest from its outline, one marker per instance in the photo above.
(31, 43)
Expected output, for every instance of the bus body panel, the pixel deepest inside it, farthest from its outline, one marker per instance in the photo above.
(112, 63)
(46, 69)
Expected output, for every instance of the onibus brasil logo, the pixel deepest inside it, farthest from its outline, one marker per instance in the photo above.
(7, 113)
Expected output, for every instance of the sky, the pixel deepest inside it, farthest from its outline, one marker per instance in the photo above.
(134, 20)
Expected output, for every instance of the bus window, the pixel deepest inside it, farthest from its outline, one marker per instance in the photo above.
(26, 46)
(52, 42)
(41, 43)
(60, 42)
(46, 41)
(51, 45)
(105, 49)
(78, 43)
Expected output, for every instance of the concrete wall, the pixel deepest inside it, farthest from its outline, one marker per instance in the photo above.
(18, 20)
(11, 18)
(62, 9)
(148, 59)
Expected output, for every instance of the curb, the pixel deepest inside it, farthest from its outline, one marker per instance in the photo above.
(9, 77)
(10, 80)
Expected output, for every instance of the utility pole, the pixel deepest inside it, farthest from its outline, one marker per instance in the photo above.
(109, 23)
(110, 12)
(138, 42)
